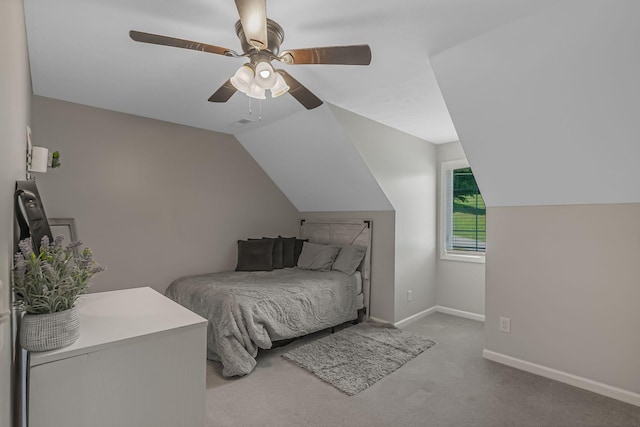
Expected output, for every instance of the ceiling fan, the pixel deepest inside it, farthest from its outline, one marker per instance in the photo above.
(260, 39)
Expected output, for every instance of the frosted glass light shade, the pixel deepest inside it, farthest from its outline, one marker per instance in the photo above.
(265, 76)
(256, 92)
(243, 78)
(280, 88)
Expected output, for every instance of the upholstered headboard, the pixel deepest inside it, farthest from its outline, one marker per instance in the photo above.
(344, 232)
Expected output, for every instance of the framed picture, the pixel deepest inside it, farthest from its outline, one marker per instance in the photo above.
(65, 227)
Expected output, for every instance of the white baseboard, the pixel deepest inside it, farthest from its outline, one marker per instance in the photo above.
(564, 377)
(439, 309)
(416, 316)
(460, 313)
(375, 319)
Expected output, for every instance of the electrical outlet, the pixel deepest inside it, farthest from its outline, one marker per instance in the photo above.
(505, 324)
(409, 296)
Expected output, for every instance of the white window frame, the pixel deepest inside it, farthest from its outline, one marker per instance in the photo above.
(477, 257)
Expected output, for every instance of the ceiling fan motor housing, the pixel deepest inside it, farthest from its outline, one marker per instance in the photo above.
(275, 36)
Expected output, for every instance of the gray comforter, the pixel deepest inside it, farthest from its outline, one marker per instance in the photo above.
(249, 310)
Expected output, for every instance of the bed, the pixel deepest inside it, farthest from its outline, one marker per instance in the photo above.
(250, 310)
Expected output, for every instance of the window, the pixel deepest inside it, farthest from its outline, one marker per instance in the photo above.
(463, 217)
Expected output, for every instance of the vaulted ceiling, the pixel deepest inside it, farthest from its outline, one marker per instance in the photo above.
(80, 51)
(547, 107)
(543, 93)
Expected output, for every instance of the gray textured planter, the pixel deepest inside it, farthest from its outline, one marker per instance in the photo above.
(43, 332)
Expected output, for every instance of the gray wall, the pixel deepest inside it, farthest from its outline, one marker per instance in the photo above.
(382, 257)
(460, 284)
(405, 168)
(546, 108)
(571, 291)
(15, 96)
(154, 200)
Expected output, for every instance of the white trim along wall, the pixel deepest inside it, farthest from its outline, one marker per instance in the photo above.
(435, 309)
(564, 377)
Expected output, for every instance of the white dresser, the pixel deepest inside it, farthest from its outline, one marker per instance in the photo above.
(140, 361)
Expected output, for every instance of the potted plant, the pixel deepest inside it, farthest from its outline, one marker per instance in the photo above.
(46, 286)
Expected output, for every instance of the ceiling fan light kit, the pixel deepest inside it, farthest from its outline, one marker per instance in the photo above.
(254, 81)
(243, 78)
(280, 87)
(260, 39)
(265, 77)
(257, 92)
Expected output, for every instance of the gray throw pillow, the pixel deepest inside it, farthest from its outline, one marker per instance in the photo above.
(349, 259)
(317, 257)
(255, 255)
(297, 249)
(288, 251)
(277, 252)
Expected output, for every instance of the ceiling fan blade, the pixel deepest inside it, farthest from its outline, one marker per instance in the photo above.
(185, 44)
(253, 17)
(223, 94)
(345, 55)
(299, 92)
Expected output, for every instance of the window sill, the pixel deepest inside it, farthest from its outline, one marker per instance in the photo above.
(475, 258)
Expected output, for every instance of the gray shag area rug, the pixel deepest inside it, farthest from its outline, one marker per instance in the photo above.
(356, 357)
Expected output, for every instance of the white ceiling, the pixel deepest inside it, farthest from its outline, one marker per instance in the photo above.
(320, 170)
(555, 121)
(80, 51)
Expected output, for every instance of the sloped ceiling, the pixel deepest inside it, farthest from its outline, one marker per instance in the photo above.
(547, 106)
(80, 52)
(310, 158)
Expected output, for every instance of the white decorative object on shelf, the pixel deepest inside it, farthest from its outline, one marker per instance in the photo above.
(39, 160)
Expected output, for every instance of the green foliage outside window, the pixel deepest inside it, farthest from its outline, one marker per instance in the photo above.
(469, 212)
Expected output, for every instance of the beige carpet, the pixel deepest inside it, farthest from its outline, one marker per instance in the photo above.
(448, 385)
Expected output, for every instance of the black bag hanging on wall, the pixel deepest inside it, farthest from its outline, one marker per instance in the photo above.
(30, 215)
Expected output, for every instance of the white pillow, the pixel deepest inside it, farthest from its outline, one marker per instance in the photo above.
(317, 257)
(349, 259)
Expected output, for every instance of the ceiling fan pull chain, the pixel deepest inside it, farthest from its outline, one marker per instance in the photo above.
(250, 114)
(260, 111)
